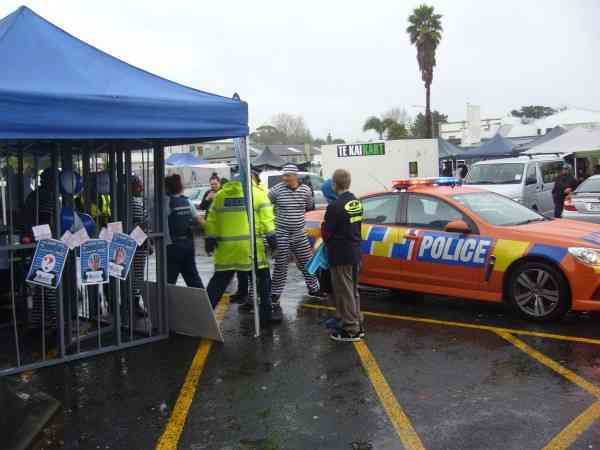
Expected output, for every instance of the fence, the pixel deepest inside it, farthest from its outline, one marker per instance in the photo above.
(41, 326)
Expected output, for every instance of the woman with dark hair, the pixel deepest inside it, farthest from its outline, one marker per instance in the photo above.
(215, 186)
(181, 216)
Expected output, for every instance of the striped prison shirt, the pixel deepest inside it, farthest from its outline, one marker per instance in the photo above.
(290, 206)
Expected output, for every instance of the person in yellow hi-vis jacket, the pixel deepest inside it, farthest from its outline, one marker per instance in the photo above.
(228, 237)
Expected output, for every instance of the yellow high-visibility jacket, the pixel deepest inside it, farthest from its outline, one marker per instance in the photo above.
(227, 222)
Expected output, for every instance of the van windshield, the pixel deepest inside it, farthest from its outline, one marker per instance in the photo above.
(501, 173)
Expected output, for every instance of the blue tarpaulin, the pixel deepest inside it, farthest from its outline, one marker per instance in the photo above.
(185, 159)
(496, 147)
(55, 86)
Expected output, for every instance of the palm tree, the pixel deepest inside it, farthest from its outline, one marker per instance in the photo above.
(375, 124)
(425, 31)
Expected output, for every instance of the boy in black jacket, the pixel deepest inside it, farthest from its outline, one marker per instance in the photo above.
(341, 232)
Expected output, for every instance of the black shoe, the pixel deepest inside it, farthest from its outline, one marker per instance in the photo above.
(344, 336)
(246, 308)
(318, 294)
(276, 313)
(238, 298)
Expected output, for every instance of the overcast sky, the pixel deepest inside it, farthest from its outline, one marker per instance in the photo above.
(337, 62)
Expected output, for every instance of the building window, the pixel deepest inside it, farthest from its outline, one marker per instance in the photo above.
(413, 169)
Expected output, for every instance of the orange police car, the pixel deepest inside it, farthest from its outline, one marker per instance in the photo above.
(438, 237)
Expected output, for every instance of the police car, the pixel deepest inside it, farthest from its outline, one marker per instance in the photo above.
(438, 237)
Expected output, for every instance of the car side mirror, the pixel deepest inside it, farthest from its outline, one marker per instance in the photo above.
(458, 226)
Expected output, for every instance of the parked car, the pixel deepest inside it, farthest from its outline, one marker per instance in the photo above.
(196, 194)
(584, 202)
(528, 181)
(270, 178)
(470, 243)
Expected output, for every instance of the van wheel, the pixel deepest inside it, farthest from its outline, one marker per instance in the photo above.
(538, 291)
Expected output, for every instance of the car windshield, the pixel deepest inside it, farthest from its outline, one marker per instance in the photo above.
(589, 186)
(497, 210)
(501, 173)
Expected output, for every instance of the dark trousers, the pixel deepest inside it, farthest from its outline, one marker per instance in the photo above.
(558, 207)
(220, 280)
(181, 259)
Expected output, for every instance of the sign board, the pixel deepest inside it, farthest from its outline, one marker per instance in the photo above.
(351, 150)
(48, 263)
(190, 311)
(94, 262)
(122, 249)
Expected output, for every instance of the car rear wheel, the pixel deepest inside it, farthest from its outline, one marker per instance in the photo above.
(538, 291)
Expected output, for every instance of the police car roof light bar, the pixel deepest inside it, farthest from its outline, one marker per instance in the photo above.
(406, 183)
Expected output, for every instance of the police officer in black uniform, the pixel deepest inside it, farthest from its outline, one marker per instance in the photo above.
(182, 215)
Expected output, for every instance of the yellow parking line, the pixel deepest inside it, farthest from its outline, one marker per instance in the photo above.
(170, 437)
(571, 433)
(550, 363)
(471, 326)
(577, 427)
(399, 419)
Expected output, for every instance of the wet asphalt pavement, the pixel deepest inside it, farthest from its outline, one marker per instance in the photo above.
(293, 388)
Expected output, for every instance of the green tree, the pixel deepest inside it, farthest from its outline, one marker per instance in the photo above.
(375, 124)
(533, 112)
(425, 31)
(267, 135)
(394, 129)
(419, 125)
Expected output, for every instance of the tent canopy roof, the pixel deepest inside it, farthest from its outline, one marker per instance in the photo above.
(497, 146)
(268, 159)
(552, 134)
(447, 150)
(578, 140)
(58, 87)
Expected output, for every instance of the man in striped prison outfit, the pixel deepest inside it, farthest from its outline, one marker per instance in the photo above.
(291, 200)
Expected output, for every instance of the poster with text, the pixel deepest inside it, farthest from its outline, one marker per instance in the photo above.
(48, 263)
(122, 249)
(94, 262)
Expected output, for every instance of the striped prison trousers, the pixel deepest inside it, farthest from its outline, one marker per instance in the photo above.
(296, 244)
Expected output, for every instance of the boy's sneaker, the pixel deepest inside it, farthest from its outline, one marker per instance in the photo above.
(362, 333)
(276, 312)
(344, 336)
(333, 323)
(246, 308)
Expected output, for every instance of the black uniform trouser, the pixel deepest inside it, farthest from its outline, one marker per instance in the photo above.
(558, 207)
(220, 280)
(181, 259)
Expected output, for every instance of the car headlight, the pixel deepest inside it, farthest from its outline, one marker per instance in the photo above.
(589, 256)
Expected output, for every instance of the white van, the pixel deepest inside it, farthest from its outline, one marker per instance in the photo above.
(270, 178)
(527, 180)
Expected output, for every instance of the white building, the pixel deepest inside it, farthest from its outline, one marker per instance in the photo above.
(473, 130)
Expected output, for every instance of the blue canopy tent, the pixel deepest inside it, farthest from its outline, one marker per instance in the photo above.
(447, 150)
(497, 147)
(55, 86)
(67, 106)
(185, 159)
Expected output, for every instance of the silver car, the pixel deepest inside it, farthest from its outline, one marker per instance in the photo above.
(584, 203)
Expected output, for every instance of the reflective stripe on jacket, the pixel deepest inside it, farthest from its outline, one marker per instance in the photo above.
(227, 222)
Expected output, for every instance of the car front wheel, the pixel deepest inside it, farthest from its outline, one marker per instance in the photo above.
(538, 291)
